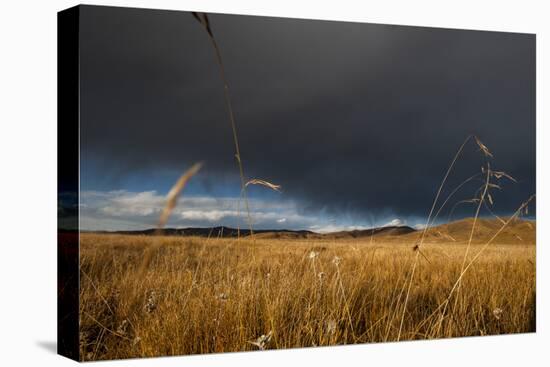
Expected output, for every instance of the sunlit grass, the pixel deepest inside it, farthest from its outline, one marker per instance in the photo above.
(218, 295)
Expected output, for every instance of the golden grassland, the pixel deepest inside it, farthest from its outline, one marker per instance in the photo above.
(201, 295)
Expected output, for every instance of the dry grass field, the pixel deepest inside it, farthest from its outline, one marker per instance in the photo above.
(207, 295)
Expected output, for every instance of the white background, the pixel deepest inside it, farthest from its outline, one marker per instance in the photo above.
(28, 181)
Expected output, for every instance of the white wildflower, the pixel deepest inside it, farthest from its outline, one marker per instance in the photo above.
(262, 341)
(331, 327)
(313, 255)
(122, 327)
(151, 302)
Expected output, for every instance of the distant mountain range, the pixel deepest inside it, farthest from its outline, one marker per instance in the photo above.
(271, 233)
(517, 231)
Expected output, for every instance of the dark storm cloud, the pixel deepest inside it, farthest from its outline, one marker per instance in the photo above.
(349, 117)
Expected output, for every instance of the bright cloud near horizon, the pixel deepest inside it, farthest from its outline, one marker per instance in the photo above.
(126, 210)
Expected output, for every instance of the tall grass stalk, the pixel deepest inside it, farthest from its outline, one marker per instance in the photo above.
(449, 169)
(204, 21)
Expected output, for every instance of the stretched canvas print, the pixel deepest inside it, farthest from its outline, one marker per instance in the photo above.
(244, 183)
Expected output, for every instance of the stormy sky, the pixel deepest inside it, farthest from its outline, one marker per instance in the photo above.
(357, 122)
